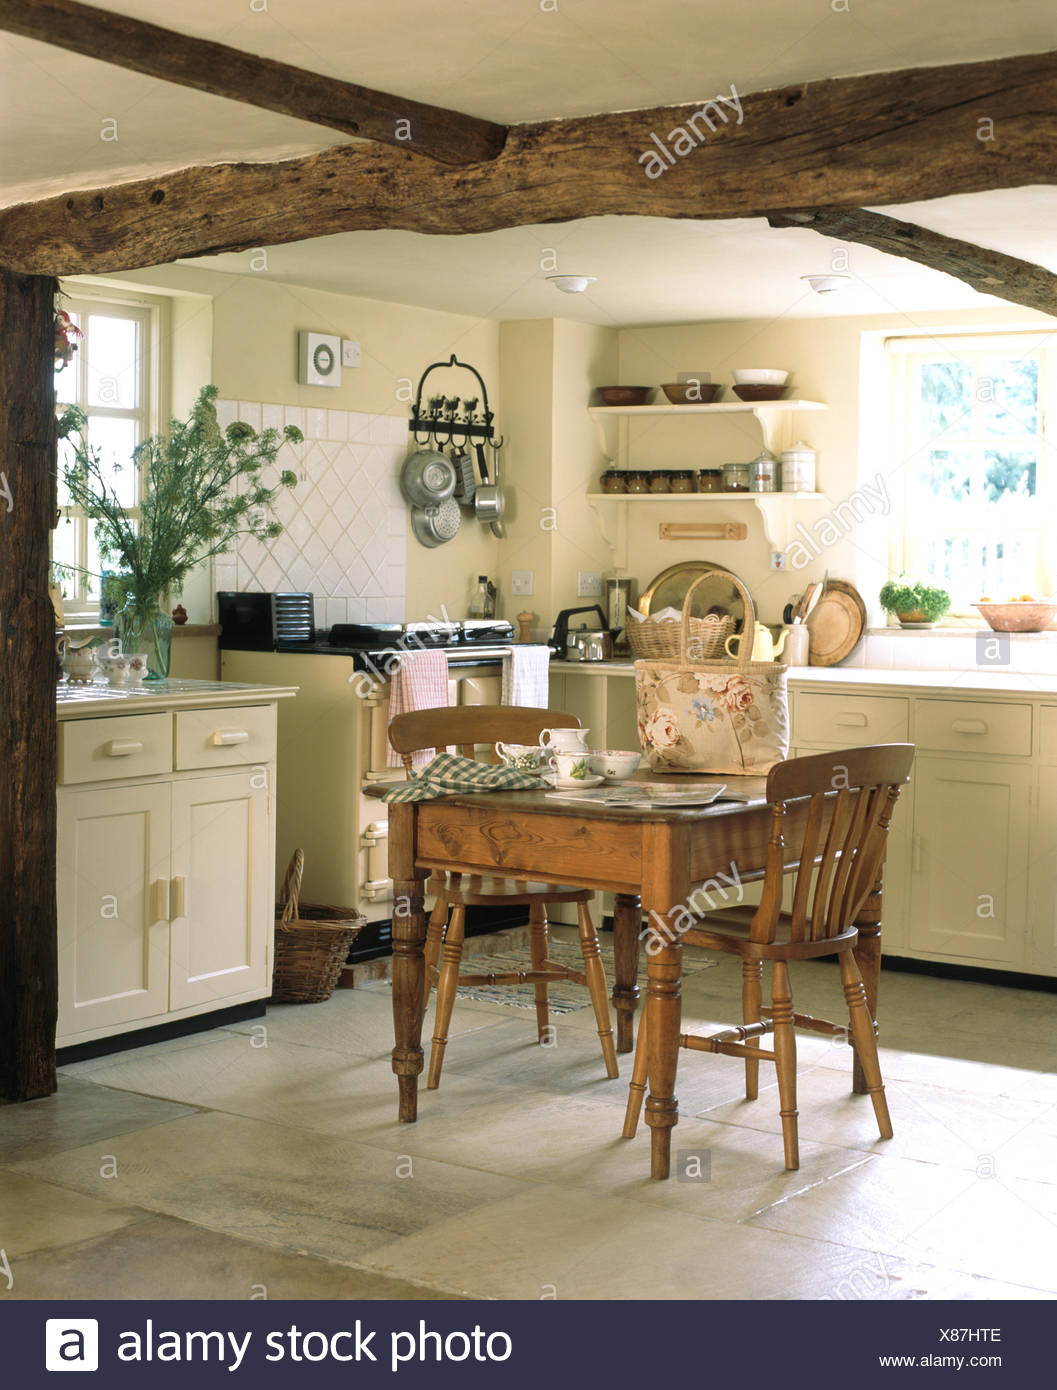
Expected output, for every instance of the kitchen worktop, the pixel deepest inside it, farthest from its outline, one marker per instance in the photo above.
(95, 699)
(959, 681)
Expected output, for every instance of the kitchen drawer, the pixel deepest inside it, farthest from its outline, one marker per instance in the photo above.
(849, 721)
(225, 737)
(971, 726)
(103, 750)
(1048, 734)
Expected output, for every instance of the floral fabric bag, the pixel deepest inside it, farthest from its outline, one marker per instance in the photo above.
(713, 716)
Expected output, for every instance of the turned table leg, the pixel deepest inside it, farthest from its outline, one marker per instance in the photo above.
(664, 1013)
(627, 925)
(409, 990)
(868, 957)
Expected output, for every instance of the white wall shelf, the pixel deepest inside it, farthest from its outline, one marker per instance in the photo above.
(776, 508)
(773, 416)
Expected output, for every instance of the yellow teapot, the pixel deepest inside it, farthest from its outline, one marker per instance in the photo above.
(763, 644)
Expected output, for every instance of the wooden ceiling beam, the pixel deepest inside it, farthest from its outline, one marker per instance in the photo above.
(440, 134)
(990, 272)
(845, 142)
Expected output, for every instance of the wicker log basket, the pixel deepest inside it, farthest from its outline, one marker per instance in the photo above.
(312, 942)
(654, 641)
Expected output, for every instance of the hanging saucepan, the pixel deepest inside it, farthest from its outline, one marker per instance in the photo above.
(427, 478)
(436, 524)
(489, 502)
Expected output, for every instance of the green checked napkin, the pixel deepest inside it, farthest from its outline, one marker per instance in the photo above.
(448, 774)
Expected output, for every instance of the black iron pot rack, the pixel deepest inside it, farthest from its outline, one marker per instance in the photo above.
(447, 418)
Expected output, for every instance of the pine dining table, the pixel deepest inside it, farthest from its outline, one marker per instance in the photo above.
(653, 860)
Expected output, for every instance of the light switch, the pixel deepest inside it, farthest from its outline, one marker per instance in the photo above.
(521, 582)
(589, 584)
(350, 353)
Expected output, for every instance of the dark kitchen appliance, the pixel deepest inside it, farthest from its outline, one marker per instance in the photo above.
(283, 623)
(565, 641)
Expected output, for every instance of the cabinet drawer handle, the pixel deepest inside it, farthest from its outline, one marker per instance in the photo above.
(159, 900)
(969, 726)
(852, 719)
(178, 898)
(122, 747)
(224, 738)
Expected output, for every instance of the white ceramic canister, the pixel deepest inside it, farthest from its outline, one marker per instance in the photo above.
(796, 649)
(798, 468)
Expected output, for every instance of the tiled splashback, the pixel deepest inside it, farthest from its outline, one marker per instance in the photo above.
(957, 650)
(345, 523)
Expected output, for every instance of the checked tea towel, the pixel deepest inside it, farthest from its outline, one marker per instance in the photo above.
(447, 775)
(420, 681)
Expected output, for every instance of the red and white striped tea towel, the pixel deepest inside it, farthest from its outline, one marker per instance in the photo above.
(526, 676)
(419, 682)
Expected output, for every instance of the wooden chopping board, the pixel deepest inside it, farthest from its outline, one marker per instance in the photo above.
(837, 624)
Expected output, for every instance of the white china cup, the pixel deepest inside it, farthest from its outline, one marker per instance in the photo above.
(571, 767)
(564, 740)
(614, 762)
(526, 757)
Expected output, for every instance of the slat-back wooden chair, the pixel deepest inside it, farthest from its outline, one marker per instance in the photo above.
(836, 863)
(466, 726)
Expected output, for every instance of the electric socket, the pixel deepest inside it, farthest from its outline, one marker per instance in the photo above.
(589, 584)
(350, 353)
(521, 582)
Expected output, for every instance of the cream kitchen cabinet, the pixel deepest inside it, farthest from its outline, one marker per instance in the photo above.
(1042, 871)
(166, 859)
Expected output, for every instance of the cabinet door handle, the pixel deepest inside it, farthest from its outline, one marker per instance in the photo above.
(122, 747)
(916, 854)
(969, 726)
(178, 898)
(223, 738)
(159, 900)
(852, 719)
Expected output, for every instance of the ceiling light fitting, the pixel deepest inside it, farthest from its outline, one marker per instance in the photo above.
(826, 284)
(572, 284)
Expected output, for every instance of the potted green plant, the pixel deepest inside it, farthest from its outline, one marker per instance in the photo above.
(914, 603)
(201, 488)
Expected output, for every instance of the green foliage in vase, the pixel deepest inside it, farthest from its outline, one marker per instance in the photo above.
(904, 595)
(200, 487)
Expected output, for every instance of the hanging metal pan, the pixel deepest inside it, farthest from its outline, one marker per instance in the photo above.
(435, 525)
(427, 478)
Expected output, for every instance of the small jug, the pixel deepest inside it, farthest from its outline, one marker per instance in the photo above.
(78, 662)
(564, 740)
(763, 646)
(798, 645)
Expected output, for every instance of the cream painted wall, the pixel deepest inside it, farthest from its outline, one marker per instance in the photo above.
(823, 356)
(254, 329)
(548, 369)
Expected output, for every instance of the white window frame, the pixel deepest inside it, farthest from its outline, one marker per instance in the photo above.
(906, 351)
(80, 593)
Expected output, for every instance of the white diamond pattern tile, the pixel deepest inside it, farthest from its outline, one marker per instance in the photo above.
(344, 524)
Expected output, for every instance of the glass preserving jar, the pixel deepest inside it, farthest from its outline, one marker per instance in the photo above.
(735, 477)
(710, 480)
(660, 480)
(638, 482)
(682, 480)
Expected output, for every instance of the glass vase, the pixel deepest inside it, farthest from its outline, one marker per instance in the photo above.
(143, 626)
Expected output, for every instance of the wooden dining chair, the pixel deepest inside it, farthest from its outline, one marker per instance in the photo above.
(466, 726)
(835, 847)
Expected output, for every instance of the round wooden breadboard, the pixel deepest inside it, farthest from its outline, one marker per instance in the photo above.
(837, 624)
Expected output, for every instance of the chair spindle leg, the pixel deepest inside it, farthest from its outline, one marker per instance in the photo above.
(785, 1060)
(596, 984)
(751, 998)
(446, 986)
(538, 939)
(862, 1031)
(637, 1089)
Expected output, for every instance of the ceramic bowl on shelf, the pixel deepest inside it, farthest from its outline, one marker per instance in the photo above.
(691, 392)
(760, 376)
(758, 392)
(1021, 615)
(624, 395)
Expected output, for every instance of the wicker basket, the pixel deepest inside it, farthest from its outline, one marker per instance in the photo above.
(653, 641)
(312, 942)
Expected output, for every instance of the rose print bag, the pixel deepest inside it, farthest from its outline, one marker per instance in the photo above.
(729, 716)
